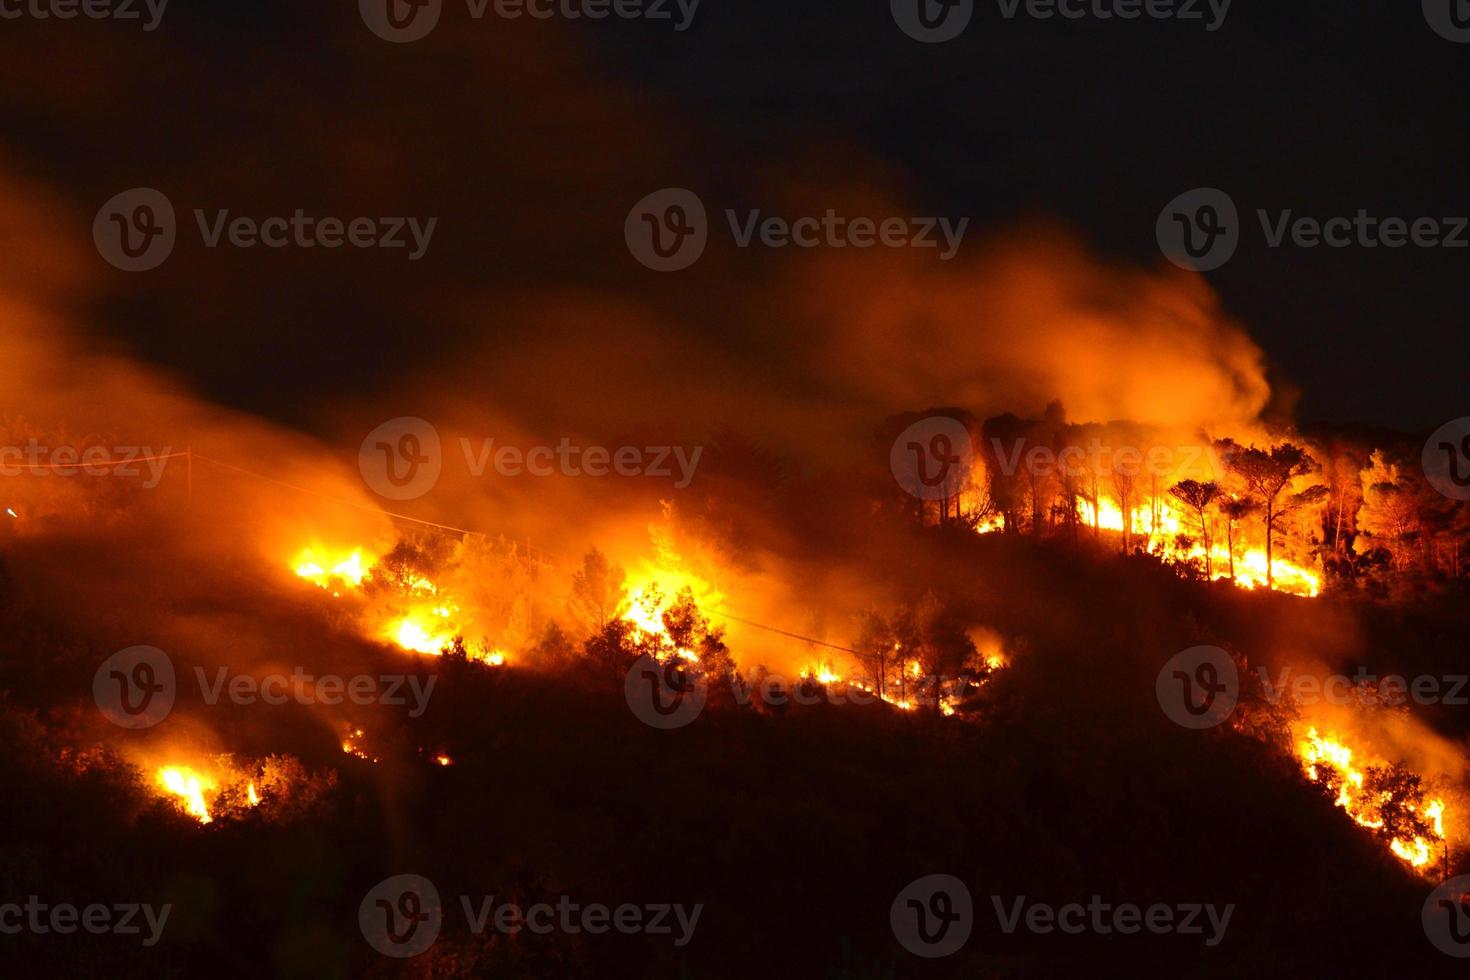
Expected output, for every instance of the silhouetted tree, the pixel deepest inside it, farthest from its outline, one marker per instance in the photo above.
(944, 647)
(875, 648)
(1198, 496)
(1234, 511)
(1267, 475)
(597, 592)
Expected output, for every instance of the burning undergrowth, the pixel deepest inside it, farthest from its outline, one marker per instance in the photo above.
(868, 655)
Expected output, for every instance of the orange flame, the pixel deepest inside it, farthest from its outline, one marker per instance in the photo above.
(1317, 751)
(189, 786)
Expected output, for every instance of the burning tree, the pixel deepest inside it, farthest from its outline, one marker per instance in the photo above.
(1404, 518)
(1001, 437)
(1126, 484)
(1198, 496)
(597, 593)
(1234, 511)
(944, 647)
(688, 630)
(877, 649)
(1267, 476)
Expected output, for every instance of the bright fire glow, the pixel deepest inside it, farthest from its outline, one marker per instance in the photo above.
(352, 745)
(423, 634)
(189, 786)
(430, 622)
(197, 790)
(1319, 753)
(822, 673)
(1158, 535)
(322, 571)
(657, 587)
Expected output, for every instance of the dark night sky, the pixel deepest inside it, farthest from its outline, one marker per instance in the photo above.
(532, 150)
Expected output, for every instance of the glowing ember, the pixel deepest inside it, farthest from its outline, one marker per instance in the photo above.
(427, 627)
(646, 605)
(200, 791)
(348, 569)
(443, 760)
(656, 585)
(352, 745)
(421, 635)
(1369, 800)
(189, 786)
(1158, 530)
(822, 673)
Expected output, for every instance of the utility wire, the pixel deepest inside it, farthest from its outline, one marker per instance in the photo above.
(460, 530)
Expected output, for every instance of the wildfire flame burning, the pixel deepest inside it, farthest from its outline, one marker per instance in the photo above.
(1371, 800)
(352, 745)
(196, 791)
(189, 786)
(349, 570)
(1159, 530)
(427, 627)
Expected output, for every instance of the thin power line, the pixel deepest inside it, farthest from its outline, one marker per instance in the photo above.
(461, 530)
(794, 636)
(85, 463)
(384, 513)
(338, 500)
